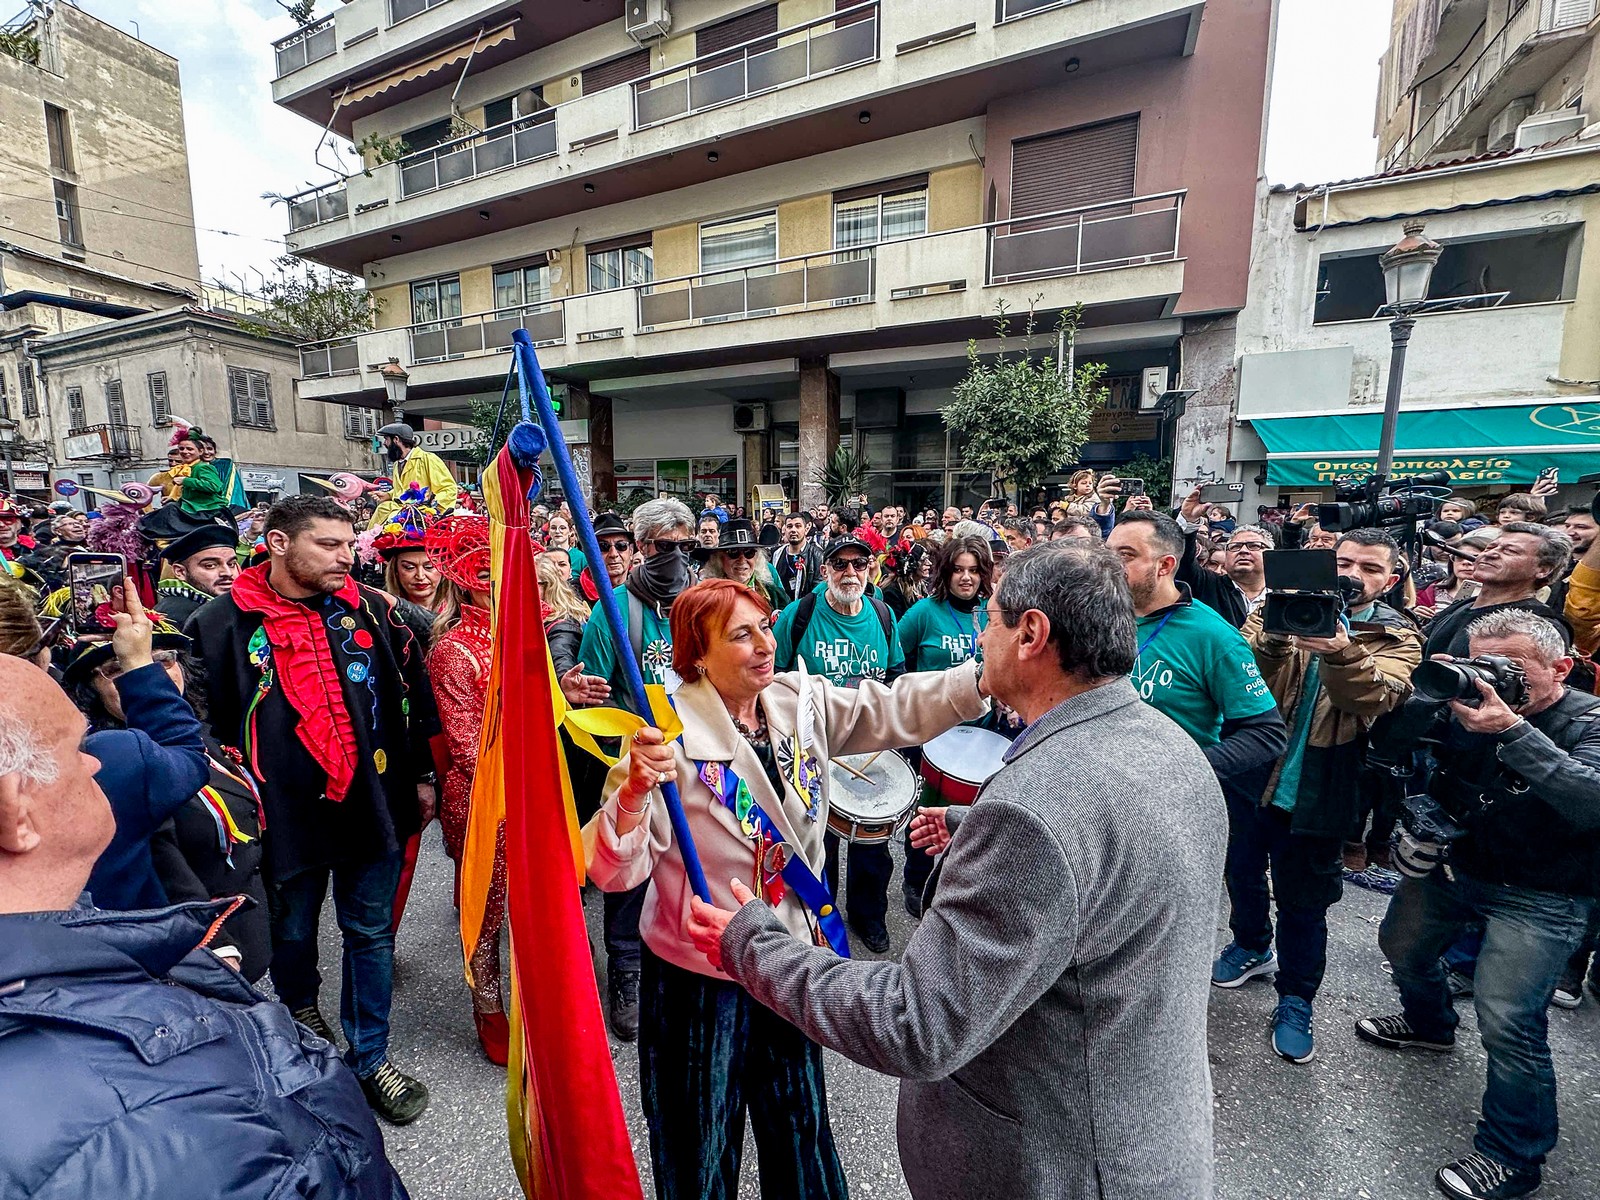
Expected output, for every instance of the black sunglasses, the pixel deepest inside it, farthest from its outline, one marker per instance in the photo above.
(619, 544)
(667, 545)
(742, 552)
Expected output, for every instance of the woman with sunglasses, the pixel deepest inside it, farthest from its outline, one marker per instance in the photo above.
(738, 556)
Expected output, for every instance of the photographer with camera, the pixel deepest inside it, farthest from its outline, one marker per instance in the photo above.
(1508, 834)
(1329, 690)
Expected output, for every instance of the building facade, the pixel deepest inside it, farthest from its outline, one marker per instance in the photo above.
(1468, 77)
(1502, 375)
(739, 233)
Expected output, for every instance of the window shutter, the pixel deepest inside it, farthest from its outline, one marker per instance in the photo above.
(736, 31)
(239, 396)
(1075, 168)
(30, 397)
(260, 399)
(5, 401)
(76, 418)
(116, 410)
(619, 70)
(160, 401)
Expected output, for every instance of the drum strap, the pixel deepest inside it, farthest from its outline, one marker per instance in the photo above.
(725, 784)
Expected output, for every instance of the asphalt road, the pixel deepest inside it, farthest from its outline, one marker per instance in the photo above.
(1357, 1122)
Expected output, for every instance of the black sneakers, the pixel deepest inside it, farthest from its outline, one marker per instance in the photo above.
(1479, 1177)
(1395, 1034)
(311, 1017)
(623, 1004)
(394, 1095)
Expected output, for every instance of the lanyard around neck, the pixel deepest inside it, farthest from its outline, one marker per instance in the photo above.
(1154, 634)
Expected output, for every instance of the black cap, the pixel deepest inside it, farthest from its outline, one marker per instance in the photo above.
(203, 538)
(87, 655)
(846, 541)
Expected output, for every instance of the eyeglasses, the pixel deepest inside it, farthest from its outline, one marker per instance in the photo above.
(668, 545)
(1243, 547)
(617, 546)
(848, 564)
(740, 553)
(163, 658)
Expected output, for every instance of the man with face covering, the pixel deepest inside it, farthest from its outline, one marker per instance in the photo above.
(410, 464)
(663, 531)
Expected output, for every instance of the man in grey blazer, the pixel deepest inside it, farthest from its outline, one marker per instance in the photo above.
(1048, 1019)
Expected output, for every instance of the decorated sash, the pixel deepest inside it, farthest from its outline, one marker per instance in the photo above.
(774, 859)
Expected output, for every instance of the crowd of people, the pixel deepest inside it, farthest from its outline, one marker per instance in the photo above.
(277, 702)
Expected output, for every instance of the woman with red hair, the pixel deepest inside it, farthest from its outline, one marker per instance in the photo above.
(751, 767)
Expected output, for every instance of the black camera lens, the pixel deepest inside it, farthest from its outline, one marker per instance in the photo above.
(1445, 681)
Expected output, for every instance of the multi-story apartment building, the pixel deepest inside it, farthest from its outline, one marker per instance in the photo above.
(1465, 77)
(740, 232)
(99, 267)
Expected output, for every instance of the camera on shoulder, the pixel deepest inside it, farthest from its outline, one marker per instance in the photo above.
(1305, 593)
(1442, 682)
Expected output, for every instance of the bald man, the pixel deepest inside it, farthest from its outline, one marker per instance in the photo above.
(180, 1053)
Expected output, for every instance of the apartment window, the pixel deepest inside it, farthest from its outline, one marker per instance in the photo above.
(160, 400)
(882, 213)
(56, 133)
(521, 285)
(736, 31)
(359, 423)
(436, 299)
(250, 395)
(30, 396)
(625, 262)
(116, 408)
(426, 137)
(1533, 267)
(618, 70)
(401, 10)
(741, 241)
(1075, 168)
(509, 109)
(67, 222)
(77, 418)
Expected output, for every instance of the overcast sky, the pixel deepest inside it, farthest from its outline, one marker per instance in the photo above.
(240, 145)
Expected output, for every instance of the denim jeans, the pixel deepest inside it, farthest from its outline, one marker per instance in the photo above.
(1528, 937)
(1306, 882)
(363, 901)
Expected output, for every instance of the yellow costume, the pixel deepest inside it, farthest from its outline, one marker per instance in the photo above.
(425, 470)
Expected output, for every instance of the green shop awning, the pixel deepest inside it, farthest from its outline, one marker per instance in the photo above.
(1499, 445)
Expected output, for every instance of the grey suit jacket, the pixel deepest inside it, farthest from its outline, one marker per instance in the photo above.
(1048, 1018)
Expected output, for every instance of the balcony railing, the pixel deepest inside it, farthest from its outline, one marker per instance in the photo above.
(404, 10)
(104, 441)
(1010, 10)
(840, 277)
(306, 45)
(1099, 237)
(320, 360)
(1531, 21)
(487, 333)
(518, 141)
(319, 205)
(846, 38)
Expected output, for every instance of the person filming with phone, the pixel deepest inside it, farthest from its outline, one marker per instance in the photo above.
(1507, 834)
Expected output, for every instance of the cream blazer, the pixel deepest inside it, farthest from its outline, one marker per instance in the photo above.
(857, 720)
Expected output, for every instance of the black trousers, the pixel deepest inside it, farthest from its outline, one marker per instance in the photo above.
(708, 1054)
(866, 890)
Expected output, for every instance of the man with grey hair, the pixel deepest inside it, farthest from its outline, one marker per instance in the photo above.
(1244, 588)
(1509, 572)
(664, 533)
(1516, 780)
(121, 1032)
(1048, 1017)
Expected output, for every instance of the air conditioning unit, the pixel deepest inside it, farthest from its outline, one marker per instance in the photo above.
(1154, 383)
(752, 417)
(646, 20)
(1548, 127)
(1503, 128)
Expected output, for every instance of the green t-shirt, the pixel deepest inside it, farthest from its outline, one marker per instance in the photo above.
(1199, 670)
(598, 653)
(844, 650)
(936, 636)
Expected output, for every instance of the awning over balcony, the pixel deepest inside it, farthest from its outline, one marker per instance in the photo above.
(423, 67)
(1491, 445)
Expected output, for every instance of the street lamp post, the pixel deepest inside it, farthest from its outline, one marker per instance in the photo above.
(8, 434)
(394, 383)
(1407, 269)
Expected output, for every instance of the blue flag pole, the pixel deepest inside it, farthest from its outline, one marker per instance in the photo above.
(530, 381)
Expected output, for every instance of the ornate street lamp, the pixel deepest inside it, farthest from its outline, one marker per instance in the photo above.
(394, 383)
(1407, 270)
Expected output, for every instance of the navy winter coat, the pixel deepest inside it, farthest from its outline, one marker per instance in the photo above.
(136, 1065)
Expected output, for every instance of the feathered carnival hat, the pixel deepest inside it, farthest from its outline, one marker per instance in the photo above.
(182, 431)
(403, 529)
(458, 545)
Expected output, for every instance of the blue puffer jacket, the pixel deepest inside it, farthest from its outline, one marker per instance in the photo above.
(137, 1065)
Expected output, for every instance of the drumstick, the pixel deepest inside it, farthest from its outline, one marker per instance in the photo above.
(867, 766)
(839, 762)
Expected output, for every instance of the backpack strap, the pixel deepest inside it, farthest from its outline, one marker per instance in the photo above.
(886, 619)
(635, 626)
(804, 608)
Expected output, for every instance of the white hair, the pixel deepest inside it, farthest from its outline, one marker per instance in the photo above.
(656, 517)
(22, 753)
(1547, 638)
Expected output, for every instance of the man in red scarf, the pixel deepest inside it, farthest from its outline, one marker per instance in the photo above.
(321, 687)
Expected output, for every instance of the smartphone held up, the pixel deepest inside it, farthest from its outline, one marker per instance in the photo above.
(94, 582)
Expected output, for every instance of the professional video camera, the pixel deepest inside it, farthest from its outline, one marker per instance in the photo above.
(1371, 502)
(1305, 593)
(1442, 682)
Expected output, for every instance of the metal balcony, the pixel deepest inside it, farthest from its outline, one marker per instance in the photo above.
(317, 206)
(306, 45)
(842, 39)
(320, 360)
(1012, 10)
(404, 10)
(1100, 237)
(487, 333)
(762, 289)
(103, 441)
(518, 141)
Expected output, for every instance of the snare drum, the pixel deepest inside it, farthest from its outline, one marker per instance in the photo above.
(958, 761)
(874, 809)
